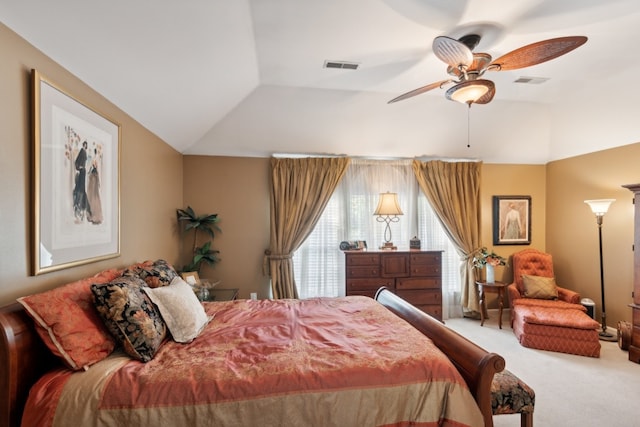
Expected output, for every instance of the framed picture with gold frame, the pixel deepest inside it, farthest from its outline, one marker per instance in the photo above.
(76, 180)
(191, 277)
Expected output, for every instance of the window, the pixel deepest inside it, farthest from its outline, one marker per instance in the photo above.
(319, 264)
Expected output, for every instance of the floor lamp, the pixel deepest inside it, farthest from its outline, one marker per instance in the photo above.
(599, 208)
(387, 211)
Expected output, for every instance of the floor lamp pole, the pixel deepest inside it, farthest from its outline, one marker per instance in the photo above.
(603, 334)
(599, 208)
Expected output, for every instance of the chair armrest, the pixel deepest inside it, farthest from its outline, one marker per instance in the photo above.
(568, 295)
(513, 293)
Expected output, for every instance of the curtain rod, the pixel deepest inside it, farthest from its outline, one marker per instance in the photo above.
(421, 158)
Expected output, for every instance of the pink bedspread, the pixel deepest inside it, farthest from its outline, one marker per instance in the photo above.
(343, 361)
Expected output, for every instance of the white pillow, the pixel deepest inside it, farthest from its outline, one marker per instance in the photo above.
(180, 308)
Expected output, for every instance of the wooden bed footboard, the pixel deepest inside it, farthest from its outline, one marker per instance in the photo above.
(476, 365)
(23, 359)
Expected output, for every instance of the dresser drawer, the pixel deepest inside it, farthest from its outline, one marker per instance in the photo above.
(425, 270)
(426, 258)
(364, 284)
(365, 271)
(419, 283)
(363, 259)
(421, 297)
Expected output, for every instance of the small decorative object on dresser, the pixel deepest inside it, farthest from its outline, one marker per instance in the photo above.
(416, 276)
(353, 245)
(414, 243)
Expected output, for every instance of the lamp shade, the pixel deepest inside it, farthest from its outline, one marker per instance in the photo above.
(599, 206)
(469, 91)
(388, 205)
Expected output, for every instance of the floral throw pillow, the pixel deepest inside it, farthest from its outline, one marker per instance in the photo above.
(130, 316)
(68, 323)
(155, 274)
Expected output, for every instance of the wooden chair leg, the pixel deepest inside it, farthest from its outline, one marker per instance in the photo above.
(526, 419)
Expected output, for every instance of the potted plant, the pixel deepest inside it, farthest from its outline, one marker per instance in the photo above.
(207, 224)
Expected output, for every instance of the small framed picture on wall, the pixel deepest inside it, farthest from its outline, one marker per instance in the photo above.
(511, 220)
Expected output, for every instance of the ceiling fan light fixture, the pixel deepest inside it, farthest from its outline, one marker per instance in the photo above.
(469, 91)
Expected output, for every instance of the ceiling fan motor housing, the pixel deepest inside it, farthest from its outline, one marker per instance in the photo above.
(470, 40)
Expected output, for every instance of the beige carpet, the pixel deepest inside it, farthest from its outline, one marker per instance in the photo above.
(570, 390)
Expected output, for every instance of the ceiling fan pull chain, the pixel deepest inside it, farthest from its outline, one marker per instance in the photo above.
(468, 126)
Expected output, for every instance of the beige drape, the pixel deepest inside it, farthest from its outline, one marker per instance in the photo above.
(453, 190)
(301, 188)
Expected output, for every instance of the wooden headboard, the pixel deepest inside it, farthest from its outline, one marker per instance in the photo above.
(24, 358)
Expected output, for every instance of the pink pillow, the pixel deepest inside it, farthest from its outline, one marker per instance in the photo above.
(68, 322)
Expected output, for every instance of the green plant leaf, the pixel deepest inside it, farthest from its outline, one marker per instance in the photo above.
(206, 223)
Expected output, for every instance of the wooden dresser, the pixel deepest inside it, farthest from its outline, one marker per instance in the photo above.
(413, 275)
(634, 345)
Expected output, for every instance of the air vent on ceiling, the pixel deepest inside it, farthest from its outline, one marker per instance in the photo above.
(531, 80)
(341, 64)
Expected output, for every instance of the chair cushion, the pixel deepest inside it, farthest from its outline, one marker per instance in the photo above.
(547, 303)
(583, 342)
(510, 395)
(539, 287)
(575, 319)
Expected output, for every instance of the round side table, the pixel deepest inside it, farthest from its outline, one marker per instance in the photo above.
(492, 287)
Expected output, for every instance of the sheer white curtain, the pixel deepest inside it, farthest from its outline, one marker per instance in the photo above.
(319, 264)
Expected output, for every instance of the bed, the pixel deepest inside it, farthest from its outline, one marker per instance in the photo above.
(340, 381)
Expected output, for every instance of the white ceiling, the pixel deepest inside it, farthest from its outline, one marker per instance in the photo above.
(246, 77)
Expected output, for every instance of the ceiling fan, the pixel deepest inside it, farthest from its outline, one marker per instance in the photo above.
(467, 67)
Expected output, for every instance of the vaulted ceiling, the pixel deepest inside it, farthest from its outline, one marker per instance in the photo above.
(246, 77)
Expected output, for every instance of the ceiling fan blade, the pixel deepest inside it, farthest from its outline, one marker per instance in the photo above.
(420, 90)
(487, 97)
(452, 52)
(537, 53)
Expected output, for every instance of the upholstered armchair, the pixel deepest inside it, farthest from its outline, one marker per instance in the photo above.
(532, 262)
(544, 315)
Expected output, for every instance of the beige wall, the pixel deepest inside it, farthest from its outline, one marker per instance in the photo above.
(513, 180)
(151, 177)
(237, 189)
(572, 232)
